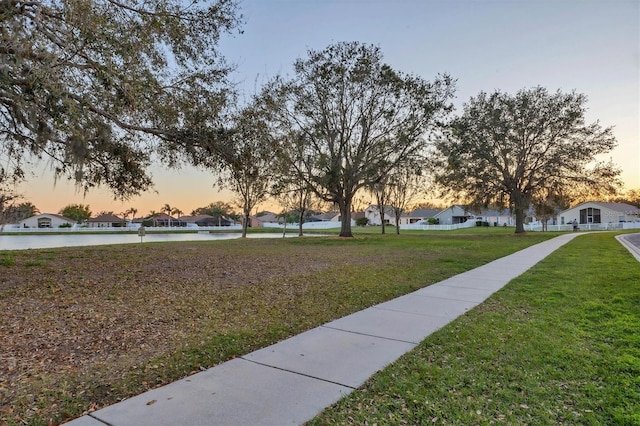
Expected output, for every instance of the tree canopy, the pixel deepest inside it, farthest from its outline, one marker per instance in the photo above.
(241, 155)
(217, 209)
(88, 84)
(77, 212)
(347, 119)
(520, 149)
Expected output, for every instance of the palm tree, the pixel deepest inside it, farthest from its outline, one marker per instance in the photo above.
(167, 209)
(133, 212)
(177, 212)
(152, 215)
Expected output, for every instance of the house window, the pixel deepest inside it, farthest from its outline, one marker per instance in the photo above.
(561, 220)
(590, 215)
(44, 223)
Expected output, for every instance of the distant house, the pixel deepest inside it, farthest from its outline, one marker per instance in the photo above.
(325, 217)
(372, 213)
(497, 217)
(46, 220)
(204, 220)
(453, 215)
(162, 220)
(418, 215)
(266, 217)
(105, 221)
(594, 212)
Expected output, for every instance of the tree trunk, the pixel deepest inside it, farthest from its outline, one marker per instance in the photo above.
(245, 224)
(345, 217)
(397, 216)
(519, 219)
(300, 219)
(382, 220)
(520, 203)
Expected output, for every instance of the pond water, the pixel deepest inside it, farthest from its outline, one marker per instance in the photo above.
(24, 242)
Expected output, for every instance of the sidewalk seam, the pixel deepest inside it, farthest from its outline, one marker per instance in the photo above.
(372, 335)
(297, 373)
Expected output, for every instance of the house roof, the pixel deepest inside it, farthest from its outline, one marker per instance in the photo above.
(428, 213)
(270, 218)
(160, 216)
(623, 208)
(388, 210)
(325, 216)
(452, 209)
(105, 218)
(195, 218)
(50, 215)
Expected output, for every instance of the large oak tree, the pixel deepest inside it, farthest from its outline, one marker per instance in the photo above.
(517, 149)
(87, 84)
(355, 119)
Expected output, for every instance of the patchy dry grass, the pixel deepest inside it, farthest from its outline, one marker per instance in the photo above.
(84, 327)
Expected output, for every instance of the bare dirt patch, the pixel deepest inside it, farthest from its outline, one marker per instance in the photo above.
(90, 314)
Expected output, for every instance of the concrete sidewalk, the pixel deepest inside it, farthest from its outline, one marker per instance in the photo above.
(294, 380)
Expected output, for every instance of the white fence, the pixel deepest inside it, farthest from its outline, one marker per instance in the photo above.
(585, 226)
(419, 227)
(17, 229)
(307, 225)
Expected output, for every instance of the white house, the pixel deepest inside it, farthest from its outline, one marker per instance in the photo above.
(105, 221)
(595, 212)
(326, 217)
(454, 214)
(372, 213)
(418, 215)
(46, 220)
(497, 217)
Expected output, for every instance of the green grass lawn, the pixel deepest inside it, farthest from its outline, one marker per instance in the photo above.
(83, 327)
(558, 345)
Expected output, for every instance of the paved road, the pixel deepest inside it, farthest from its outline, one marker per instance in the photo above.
(632, 243)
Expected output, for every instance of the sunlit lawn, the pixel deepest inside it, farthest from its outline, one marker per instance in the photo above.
(558, 345)
(85, 327)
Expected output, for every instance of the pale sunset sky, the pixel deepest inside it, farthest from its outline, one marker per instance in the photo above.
(591, 46)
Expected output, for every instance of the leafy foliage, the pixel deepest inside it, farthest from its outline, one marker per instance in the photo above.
(347, 119)
(217, 209)
(88, 84)
(362, 221)
(516, 149)
(77, 212)
(242, 155)
(14, 213)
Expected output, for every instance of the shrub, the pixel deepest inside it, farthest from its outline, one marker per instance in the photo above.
(362, 221)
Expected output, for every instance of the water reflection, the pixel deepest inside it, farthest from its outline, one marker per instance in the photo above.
(24, 242)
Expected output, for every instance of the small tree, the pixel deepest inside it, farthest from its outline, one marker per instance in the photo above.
(77, 212)
(217, 209)
(404, 186)
(380, 192)
(243, 156)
